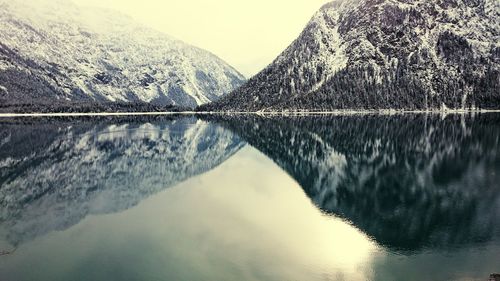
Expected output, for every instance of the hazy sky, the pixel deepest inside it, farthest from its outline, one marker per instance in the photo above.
(248, 34)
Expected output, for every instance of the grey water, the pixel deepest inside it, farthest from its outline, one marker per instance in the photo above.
(360, 197)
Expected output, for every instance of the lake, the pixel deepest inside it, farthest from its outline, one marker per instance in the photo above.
(356, 197)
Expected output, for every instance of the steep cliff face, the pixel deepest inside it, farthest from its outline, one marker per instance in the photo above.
(380, 54)
(53, 174)
(57, 52)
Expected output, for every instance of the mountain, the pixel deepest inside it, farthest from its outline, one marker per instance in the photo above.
(57, 53)
(384, 54)
(410, 182)
(54, 173)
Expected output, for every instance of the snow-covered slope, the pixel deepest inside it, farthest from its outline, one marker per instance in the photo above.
(410, 182)
(55, 173)
(55, 51)
(384, 54)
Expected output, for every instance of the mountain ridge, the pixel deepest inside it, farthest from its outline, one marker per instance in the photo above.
(383, 54)
(64, 53)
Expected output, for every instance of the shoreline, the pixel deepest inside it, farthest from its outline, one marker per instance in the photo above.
(261, 113)
(94, 114)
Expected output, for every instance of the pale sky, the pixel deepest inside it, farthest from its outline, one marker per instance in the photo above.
(248, 34)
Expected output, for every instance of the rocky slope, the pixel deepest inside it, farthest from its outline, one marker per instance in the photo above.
(54, 173)
(55, 52)
(410, 182)
(381, 54)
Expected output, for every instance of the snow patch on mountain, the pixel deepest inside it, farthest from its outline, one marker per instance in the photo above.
(327, 57)
(102, 55)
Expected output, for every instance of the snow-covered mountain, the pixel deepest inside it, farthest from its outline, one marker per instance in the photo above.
(410, 182)
(54, 173)
(53, 51)
(381, 54)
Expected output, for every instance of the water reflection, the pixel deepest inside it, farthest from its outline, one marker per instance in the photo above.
(55, 172)
(411, 182)
(377, 198)
(244, 220)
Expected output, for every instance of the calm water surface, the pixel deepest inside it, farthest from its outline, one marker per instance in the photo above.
(384, 198)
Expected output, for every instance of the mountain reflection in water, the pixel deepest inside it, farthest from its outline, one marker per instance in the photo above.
(410, 182)
(56, 172)
(247, 197)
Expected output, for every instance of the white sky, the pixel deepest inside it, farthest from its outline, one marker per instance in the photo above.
(248, 34)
